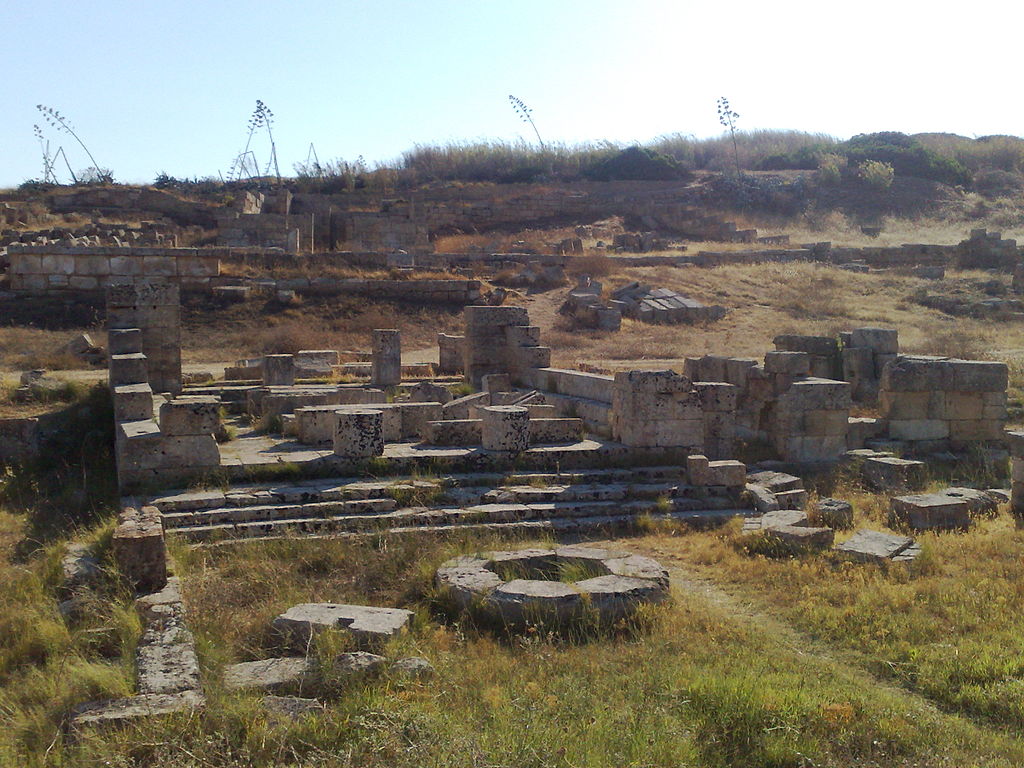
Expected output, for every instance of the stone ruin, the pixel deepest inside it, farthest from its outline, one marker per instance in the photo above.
(532, 449)
(587, 307)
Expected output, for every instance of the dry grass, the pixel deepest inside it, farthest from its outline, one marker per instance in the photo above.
(766, 300)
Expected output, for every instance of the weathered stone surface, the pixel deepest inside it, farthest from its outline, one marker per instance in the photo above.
(414, 667)
(78, 566)
(833, 513)
(168, 667)
(367, 624)
(113, 713)
(796, 540)
(278, 370)
(951, 509)
(429, 392)
(505, 428)
(280, 674)
(387, 358)
(888, 473)
(874, 546)
(359, 434)
(139, 548)
(291, 707)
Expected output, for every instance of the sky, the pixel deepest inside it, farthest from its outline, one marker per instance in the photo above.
(169, 86)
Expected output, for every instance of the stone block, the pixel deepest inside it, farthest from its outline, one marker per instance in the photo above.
(732, 474)
(918, 429)
(192, 416)
(788, 363)
(133, 402)
(505, 428)
(359, 434)
(387, 358)
(875, 547)
(882, 340)
(128, 369)
(833, 513)
(697, 470)
(888, 473)
(369, 626)
(139, 549)
(124, 341)
(951, 509)
(799, 539)
(278, 370)
(496, 382)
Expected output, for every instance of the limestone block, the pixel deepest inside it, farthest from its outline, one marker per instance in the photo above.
(192, 416)
(788, 363)
(496, 382)
(918, 429)
(368, 625)
(459, 408)
(387, 358)
(83, 283)
(413, 417)
(124, 341)
(858, 364)
(359, 434)
(881, 361)
(951, 509)
(817, 394)
(823, 346)
(429, 392)
(453, 432)
(889, 473)
(133, 402)
(717, 396)
(883, 340)
(697, 470)
(876, 547)
(799, 539)
(128, 369)
(159, 266)
(822, 422)
(505, 428)
(732, 474)
(553, 430)
(975, 376)
(139, 549)
(833, 513)
(917, 373)
(126, 266)
(117, 713)
(861, 429)
(278, 370)
(964, 431)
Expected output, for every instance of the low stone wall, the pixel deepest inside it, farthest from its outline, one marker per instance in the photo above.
(45, 268)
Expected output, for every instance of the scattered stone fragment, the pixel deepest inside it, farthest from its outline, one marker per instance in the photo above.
(775, 519)
(888, 473)
(290, 708)
(368, 625)
(79, 567)
(951, 509)
(281, 674)
(1001, 495)
(833, 513)
(356, 664)
(414, 667)
(114, 713)
(869, 546)
(799, 539)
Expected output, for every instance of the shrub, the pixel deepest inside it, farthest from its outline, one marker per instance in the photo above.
(875, 174)
(638, 164)
(830, 169)
(906, 155)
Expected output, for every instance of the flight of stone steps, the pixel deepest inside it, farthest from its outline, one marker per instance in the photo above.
(576, 501)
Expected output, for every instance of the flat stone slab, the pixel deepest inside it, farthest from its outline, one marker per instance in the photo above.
(615, 584)
(279, 674)
(888, 473)
(770, 520)
(115, 713)
(413, 666)
(291, 707)
(869, 546)
(799, 539)
(951, 509)
(367, 625)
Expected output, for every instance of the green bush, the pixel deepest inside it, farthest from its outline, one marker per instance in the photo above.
(830, 169)
(906, 155)
(875, 174)
(638, 164)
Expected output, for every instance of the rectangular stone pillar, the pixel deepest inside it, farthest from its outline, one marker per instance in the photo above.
(1016, 442)
(278, 370)
(154, 309)
(387, 358)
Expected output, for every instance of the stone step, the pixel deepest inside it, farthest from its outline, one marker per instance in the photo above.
(588, 523)
(681, 497)
(348, 489)
(410, 517)
(274, 512)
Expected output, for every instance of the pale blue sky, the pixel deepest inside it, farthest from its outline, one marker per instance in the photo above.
(170, 86)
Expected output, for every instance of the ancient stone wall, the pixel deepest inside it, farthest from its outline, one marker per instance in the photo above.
(45, 268)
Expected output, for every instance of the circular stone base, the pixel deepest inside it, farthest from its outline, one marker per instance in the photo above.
(520, 587)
